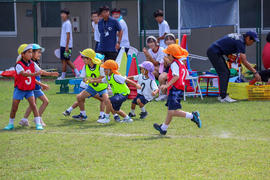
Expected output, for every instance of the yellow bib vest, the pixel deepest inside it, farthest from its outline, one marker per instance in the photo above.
(118, 88)
(95, 73)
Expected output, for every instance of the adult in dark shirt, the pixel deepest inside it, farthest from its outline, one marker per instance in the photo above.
(109, 29)
(230, 44)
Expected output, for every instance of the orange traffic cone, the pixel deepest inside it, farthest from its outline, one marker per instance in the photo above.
(133, 71)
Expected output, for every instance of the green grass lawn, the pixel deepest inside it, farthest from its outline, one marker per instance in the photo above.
(233, 143)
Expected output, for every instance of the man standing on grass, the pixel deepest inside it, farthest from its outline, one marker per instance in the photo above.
(95, 19)
(230, 44)
(116, 14)
(109, 30)
(66, 43)
(163, 27)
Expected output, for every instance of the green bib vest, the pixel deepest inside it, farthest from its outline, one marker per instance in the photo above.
(95, 73)
(118, 88)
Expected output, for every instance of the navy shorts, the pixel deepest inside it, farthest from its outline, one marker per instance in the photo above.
(62, 51)
(142, 99)
(117, 101)
(174, 99)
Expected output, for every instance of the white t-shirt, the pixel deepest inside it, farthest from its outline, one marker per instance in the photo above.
(158, 56)
(163, 28)
(66, 28)
(118, 78)
(148, 86)
(83, 73)
(125, 40)
(175, 69)
(19, 68)
(96, 32)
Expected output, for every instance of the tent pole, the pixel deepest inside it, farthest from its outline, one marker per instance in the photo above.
(179, 22)
(238, 17)
(35, 29)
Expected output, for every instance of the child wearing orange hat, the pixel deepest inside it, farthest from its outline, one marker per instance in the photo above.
(119, 89)
(175, 88)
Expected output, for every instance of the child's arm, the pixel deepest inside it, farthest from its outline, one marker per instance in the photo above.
(154, 93)
(27, 74)
(45, 73)
(133, 83)
(172, 81)
(44, 87)
(130, 77)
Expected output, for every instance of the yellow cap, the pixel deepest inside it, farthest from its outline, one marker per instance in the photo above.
(90, 53)
(24, 47)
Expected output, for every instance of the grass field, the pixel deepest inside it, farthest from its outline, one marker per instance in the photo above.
(233, 143)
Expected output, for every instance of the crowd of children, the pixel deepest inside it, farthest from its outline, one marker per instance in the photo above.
(97, 77)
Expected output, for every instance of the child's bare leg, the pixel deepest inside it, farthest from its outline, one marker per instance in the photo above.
(140, 103)
(102, 103)
(162, 78)
(14, 108)
(32, 103)
(121, 113)
(81, 99)
(76, 104)
(169, 117)
(71, 65)
(45, 103)
(64, 66)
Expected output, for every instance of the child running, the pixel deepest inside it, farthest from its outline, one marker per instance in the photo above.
(37, 50)
(175, 88)
(119, 89)
(148, 91)
(24, 84)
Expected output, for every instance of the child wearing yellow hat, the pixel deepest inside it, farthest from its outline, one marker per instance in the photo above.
(88, 70)
(175, 88)
(26, 70)
(119, 89)
(91, 69)
(38, 93)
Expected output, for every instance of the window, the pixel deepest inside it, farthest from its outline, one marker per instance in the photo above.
(50, 14)
(8, 24)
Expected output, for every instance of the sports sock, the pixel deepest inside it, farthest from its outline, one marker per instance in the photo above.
(63, 74)
(24, 119)
(70, 109)
(37, 120)
(107, 116)
(101, 113)
(132, 111)
(127, 117)
(83, 113)
(115, 115)
(143, 109)
(189, 115)
(11, 120)
(164, 127)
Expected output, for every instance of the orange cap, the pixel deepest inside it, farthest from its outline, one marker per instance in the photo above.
(112, 65)
(176, 51)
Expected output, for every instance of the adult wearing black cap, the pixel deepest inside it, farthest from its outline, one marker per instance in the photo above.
(230, 44)
(109, 30)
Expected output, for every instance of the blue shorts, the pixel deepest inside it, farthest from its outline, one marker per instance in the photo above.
(93, 92)
(117, 101)
(142, 99)
(38, 93)
(19, 94)
(62, 51)
(174, 99)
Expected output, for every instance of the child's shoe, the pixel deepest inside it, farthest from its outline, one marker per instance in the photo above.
(9, 127)
(80, 117)
(39, 127)
(131, 114)
(66, 113)
(117, 118)
(24, 122)
(143, 115)
(158, 128)
(196, 119)
(104, 120)
(127, 120)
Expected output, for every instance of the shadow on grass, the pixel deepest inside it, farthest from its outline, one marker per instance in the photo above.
(82, 124)
(154, 137)
(198, 100)
(261, 120)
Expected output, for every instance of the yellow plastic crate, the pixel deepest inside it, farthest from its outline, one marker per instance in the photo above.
(238, 91)
(261, 92)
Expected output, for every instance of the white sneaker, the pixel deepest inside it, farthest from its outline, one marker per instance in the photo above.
(104, 120)
(24, 122)
(60, 78)
(227, 99)
(127, 120)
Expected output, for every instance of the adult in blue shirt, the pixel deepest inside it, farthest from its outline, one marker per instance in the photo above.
(109, 29)
(230, 44)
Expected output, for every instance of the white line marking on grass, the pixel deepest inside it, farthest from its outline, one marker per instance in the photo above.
(223, 135)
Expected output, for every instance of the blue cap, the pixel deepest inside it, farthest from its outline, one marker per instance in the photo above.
(253, 35)
(37, 46)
